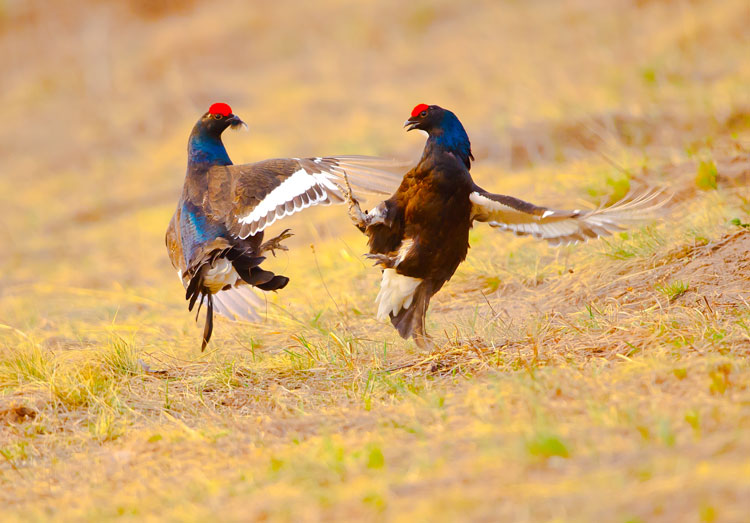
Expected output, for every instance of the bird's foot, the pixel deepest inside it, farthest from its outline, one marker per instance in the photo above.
(387, 262)
(424, 342)
(274, 243)
(359, 218)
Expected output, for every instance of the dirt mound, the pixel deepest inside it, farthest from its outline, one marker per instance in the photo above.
(714, 276)
(718, 271)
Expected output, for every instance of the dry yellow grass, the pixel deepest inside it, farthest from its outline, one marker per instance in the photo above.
(600, 382)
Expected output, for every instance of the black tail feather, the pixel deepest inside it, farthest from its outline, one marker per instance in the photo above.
(258, 276)
(200, 304)
(245, 262)
(274, 284)
(209, 327)
(194, 289)
(246, 265)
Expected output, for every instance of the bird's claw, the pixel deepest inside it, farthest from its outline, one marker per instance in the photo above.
(347, 191)
(274, 243)
(358, 217)
(386, 262)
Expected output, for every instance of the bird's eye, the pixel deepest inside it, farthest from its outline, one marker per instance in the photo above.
(217, 116)
(423, 114)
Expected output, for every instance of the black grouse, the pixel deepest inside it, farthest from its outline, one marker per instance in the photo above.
(420, 235)
(215, 238)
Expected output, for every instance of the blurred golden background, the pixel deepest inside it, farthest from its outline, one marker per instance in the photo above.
(596, 382)
(99, 97)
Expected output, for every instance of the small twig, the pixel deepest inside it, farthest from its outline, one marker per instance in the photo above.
(148, 370)
(494, 314)
(400, 367)
(315, 257)
(353, 255)
(709, 306)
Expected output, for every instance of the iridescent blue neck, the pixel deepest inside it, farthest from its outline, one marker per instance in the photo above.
(451, 136)
(206, 149)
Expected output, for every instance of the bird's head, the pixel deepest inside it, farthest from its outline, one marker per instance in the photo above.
(218, 117)
(425, 118)
(205, 145)
(443, 128)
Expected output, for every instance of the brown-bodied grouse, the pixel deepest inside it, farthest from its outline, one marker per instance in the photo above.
(420, 235)
(215, 238)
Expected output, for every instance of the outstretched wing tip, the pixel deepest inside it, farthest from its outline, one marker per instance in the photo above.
(566, 227)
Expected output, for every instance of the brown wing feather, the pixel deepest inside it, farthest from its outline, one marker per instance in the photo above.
(250, 197)
(174, 243)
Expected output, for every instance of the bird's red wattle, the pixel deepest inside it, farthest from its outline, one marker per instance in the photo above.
(418, 109)
(220, 108)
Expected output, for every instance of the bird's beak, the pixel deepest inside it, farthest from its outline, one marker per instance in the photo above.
(236, 123)
(411, 124)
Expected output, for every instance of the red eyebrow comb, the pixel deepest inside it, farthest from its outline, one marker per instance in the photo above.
(418, 109)
(220, 108)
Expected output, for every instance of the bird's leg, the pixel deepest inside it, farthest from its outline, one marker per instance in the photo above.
(358, 217)
(361, 219)
(422, 339)
(387, 262)
(424, 342)
(275, 243)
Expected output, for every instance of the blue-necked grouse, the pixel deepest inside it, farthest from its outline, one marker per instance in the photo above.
(420, 235)
(215, 238)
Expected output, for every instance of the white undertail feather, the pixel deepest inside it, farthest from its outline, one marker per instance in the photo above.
(221, 274)
(237, 303)
(396, 293)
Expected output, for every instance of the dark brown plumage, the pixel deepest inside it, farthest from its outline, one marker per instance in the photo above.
(420, 235)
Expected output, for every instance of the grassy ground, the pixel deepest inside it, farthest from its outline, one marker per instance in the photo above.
(599, 382)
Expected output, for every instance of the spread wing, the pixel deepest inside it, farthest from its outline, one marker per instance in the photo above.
(561, 227)
(251, 197)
